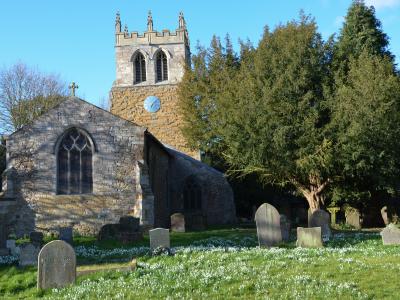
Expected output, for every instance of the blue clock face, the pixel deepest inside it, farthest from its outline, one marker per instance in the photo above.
(152, 104)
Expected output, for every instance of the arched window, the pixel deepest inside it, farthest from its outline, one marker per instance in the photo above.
(192, 195)
(162, 68)
(74, 163)
(140, 68)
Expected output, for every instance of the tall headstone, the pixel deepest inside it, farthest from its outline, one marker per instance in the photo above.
(36, 238)
(353, 218)
(384, 213)
(268, 221)
(391, 235)
(285, 228)
(321, 218)
(56, 265)
(178, 222)
(28, 255)
(66, 234)
(159, 237)
(309, 237)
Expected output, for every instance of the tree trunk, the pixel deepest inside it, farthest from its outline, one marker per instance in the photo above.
(313, 194)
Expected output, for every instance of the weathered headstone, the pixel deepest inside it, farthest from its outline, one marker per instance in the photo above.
(285, 228)
(36, 238)
(28, 255)
(159, 237)
(178, 222)
(353, 218)
(66, 234)
(391, 235)
(321, 218)
(268, 223)
(309, 237)
(333, 211)
(56, 265)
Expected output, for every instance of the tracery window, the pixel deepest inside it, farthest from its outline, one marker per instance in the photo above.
(140, 68)
(162, 68)
(192, 195)
(74, 163)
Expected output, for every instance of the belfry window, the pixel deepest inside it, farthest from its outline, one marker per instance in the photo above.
(192, 195)
(140, 68)
(74, 163)
(162, 68)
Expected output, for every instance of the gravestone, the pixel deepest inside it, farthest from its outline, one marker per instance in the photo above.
(159, 237)
(56, 265)
(126, 231)
(391, 235)
(321, 218)
(28, 255)
(66, 234)
(268, 223)
(309, 237)
(36, 238)
(285, 228)
(333, 211)
(3, 239)
(178, 222)
(353, 218)
(384, 213)
(129, 224)
(14, 250)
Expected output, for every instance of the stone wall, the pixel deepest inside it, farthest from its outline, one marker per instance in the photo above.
(32, 152)
(165, 124)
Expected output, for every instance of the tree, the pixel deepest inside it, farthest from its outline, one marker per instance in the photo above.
(361, 32)
(365, 118)
(25, 93)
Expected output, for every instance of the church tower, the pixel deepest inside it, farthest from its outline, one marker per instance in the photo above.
(148, 68)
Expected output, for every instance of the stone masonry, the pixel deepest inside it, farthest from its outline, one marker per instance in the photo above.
(31, 151)
(127, 97)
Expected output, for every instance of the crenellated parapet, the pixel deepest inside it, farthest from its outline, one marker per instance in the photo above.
(151, 36)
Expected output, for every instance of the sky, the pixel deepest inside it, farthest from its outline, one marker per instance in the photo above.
(75, 39)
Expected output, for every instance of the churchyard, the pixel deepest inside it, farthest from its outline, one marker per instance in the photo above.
(221, 263)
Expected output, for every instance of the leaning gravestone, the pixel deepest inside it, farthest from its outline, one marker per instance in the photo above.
(178, 222)
(268, 223)
(321, 218)
(66, 234)
(309, 237)
(28, 255)
(285, 228)
(159, 237)
(391, 235)
(56, 265)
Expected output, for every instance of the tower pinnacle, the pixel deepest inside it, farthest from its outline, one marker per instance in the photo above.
(117, 23)
(182, 23)
(149, 22)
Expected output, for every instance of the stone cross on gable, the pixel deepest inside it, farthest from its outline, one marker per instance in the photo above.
(73, 87)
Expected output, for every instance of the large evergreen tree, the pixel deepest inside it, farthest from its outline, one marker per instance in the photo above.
(361, 32)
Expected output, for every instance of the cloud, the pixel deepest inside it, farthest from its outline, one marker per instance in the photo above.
(380, 4)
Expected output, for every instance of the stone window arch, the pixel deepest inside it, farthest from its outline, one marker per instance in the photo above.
(161, 66)
(192, 195)
(139, 64)
(74, 163)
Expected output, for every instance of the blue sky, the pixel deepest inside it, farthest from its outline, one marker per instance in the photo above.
(75, 39)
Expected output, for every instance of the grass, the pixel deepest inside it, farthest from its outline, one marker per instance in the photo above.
(225, 264)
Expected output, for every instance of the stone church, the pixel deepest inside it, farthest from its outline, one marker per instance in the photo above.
(79, 165)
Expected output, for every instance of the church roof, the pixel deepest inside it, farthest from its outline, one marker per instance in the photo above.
(66, 99)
